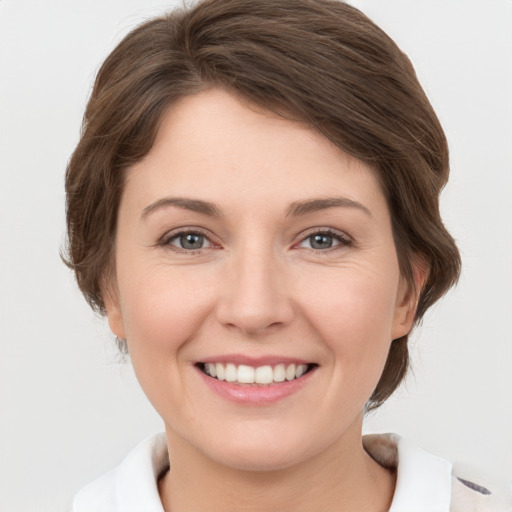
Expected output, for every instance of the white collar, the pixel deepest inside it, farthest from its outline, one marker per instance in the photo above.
(423, 480)
(130, 487)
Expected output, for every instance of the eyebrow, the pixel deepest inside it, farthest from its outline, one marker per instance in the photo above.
(195, 205)
(296, 209)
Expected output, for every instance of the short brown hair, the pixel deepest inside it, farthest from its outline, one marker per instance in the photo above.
(321, 62)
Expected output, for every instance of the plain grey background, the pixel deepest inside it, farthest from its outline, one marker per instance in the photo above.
(69, 410)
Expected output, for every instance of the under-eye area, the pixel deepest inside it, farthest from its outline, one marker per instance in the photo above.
(260, 375)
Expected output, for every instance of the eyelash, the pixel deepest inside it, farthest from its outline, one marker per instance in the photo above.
(342, 239)
(168, 238)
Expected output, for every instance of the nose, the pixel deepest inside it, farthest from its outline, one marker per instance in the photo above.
(256, 298)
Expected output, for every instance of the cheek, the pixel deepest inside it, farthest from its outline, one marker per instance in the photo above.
(354, 312)
(163, 308)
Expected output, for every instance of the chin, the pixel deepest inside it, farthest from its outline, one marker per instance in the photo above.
(264, 453)
(256, 459)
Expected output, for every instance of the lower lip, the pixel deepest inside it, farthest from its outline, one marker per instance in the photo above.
(253, 394)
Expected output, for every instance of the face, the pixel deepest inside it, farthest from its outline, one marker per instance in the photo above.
(257, 284)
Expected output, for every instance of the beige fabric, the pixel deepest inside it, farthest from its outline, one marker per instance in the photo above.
(472, 490)
(465, 499)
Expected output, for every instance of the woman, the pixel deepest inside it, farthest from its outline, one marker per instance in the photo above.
(253, 204)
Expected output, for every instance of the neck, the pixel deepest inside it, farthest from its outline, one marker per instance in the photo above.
(343, 478)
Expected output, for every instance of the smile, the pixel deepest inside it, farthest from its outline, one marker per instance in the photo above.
(261, 375)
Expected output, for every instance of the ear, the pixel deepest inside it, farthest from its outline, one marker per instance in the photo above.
(114, 312)
(407, 299)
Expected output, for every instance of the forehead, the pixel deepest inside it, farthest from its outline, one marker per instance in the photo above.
(217, 148)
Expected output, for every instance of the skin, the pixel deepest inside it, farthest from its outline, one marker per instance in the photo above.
(258, 287)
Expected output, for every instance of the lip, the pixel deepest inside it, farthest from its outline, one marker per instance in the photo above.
(255, 394)
(254, 361)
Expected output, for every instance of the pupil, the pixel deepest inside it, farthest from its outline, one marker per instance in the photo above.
(191, 241)
(321, 241)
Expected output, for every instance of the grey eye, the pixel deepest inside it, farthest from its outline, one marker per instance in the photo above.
(189, 241)
(321, 241)
(324, 240)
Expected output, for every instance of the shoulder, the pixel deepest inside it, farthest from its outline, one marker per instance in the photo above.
(131, 486)
(433, 483)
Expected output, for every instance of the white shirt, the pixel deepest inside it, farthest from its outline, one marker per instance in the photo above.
(425, 483)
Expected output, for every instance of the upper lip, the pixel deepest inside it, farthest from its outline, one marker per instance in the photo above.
(254, 361)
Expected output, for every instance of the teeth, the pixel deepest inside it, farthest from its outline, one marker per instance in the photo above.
(231, 373)
(211, 369)
(279, 373)
(244, 374)
(290, 372)
(219, 369)
(263, 375)
(300, 370)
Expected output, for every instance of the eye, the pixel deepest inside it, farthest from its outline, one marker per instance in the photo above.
(324, 240)
(188, 241)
